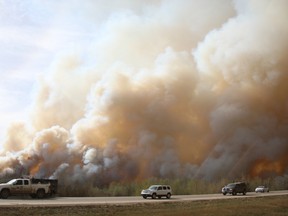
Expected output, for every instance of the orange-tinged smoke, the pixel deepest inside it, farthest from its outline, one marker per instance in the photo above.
(171, 90)
(264, 167)
(35, 169)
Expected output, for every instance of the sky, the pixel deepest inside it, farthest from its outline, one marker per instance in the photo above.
(33, 33)
(153, 88)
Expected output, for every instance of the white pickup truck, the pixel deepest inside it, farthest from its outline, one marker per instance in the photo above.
(36, 188)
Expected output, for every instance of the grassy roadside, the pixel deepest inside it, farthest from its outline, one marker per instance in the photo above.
(272, 206)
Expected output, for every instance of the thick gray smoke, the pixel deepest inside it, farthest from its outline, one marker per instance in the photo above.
(167, 89)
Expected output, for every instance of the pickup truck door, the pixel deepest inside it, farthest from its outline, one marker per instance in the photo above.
(26, 187)
(17, 187)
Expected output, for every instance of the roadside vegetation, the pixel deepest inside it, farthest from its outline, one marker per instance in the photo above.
(179, 186)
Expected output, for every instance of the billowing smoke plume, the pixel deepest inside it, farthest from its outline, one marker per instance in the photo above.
(167, 89)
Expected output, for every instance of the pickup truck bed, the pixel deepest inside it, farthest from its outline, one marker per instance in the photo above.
(53, 184)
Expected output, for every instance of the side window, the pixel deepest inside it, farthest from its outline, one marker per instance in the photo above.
(160, 188)
(168, 188)
(19, 182)
(164, 188)
(26, 182)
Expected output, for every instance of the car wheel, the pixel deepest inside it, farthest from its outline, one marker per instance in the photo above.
(224, 194)
(244, 192)
(234, 193)
(5, 193)
(144, 196)
(168, 196)
(40, 194)
(154, 196)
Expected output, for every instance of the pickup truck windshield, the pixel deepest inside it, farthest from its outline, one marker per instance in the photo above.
(12, 181)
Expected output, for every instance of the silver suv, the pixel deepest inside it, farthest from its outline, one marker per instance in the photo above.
(157, 191)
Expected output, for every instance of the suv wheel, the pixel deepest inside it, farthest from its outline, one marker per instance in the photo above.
(234, 193)
(168, 196)
(144, 196)
(154, 196)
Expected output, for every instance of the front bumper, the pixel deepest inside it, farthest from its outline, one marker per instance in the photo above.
(227, 190)
(146, 193)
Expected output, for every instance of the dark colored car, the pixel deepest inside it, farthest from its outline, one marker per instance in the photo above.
(234, 188)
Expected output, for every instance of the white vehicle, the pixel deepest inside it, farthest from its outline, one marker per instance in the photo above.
(24, 186)
(261, 189)
(157, 191)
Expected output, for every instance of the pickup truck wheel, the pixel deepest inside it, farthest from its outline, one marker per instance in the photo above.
(154, 196)
(5, 193)
(40, 193)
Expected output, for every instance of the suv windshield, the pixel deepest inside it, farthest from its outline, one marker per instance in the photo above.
(153, 188)
(231, 185)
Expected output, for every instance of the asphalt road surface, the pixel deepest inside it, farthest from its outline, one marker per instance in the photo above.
(73, 201)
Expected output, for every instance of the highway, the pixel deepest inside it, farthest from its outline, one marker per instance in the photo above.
(84, 201)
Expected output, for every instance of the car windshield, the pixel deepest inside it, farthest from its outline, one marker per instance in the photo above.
(260, 186)
(153, 187)
(12, 181)
(231, 185)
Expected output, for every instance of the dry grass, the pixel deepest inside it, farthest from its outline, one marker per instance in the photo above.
(262, 206)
